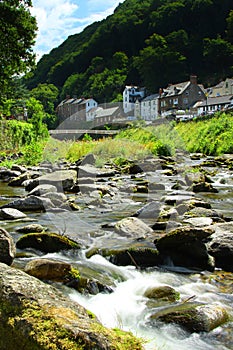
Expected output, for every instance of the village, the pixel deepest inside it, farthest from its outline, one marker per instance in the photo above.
(182, 101)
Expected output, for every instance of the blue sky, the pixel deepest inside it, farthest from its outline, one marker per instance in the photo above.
(57, 19)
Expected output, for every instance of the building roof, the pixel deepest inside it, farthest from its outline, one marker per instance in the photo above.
(107, 112)
(214, 101)
(175, 89)
(150, 98)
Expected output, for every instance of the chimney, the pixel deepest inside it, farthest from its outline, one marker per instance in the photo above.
(193, 79)
(160, 92)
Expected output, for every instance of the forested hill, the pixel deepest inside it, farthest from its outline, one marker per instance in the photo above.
(146, 42)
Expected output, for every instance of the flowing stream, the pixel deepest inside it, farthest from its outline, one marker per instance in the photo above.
(126, 307)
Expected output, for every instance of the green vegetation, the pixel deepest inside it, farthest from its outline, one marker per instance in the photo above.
(213, 136)
(17, 31)
(165, 41)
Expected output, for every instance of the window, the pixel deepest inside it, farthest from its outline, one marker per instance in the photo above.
(185, 101)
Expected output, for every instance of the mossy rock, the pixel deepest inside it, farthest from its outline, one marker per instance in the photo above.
(193, 317)
(46, 242)
(36, 316)
(163, 293)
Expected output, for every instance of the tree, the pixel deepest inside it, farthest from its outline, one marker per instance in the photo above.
(17, 31)
(36, 116)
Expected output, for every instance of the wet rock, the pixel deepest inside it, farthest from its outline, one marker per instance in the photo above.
(185, 247)
(57, 198)
(11, 214)
(150, 210)
(154, 186)
(46, 269)
(221, 246)
(63, 180)
(44, 316)
(91, 171)
(87, 159)
(164, 293)
(194, 318)
(203, 187)
(31, 203)
(178, 198)
(203, 212)
(46, 242)
(132, 227)
(31, 228)
(20, 168)
(199, 221)
(137, 256)
(19, 180)
(7, 174)
(7, 247)
(195, 177)
(42, 189)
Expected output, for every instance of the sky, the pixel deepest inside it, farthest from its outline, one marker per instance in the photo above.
(57, 19)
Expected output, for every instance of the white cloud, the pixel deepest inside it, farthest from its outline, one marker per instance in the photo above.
(57, 19)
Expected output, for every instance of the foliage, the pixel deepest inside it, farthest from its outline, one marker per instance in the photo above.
(17, 31)
(211, 137)
(36, 115)
(145, 42)
(47, 94)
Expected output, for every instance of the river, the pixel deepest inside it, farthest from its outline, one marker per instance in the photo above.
(126, 307)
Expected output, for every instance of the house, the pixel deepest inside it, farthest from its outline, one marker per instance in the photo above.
(131, 94)
(181, 96)
(75, 108)
(223, 88)
(107, 115)
(213, 104)
(149, 107)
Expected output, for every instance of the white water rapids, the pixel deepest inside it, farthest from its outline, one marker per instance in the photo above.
(126, 308)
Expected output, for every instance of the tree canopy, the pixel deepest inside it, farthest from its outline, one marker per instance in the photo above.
(17, 32)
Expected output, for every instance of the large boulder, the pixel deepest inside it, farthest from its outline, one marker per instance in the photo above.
(46, 242)
(7, 247)
(221, 246)
(132, 227)
(35, 315)
(42, 189)
(32, 203)
(47, 269)
(11, 214)
(193, 317)
(63, 180)
(185, 247)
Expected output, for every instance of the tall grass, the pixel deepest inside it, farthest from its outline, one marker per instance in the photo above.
(211, 137)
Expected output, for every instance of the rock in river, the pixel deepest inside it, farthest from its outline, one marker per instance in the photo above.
(7, 247)
(35, 315)
(46, 242)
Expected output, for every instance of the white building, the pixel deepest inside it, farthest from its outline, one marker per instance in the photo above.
(149, 107)
(131, 94)
(213, 104)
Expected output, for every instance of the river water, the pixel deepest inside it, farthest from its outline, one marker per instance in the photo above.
(126, 307)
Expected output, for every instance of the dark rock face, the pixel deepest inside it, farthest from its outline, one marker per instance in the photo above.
(221, 246)
(35, 315)
(186, 248)
(7, 247)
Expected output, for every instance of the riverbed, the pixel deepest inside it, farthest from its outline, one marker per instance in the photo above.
(126, 307)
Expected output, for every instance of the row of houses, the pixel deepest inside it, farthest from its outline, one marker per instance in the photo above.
(185, 97)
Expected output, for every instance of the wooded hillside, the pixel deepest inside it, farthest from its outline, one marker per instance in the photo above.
(146, 42)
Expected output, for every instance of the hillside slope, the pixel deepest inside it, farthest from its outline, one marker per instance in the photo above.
(146, 42)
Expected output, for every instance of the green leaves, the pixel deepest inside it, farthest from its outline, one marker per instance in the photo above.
(17, 32)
